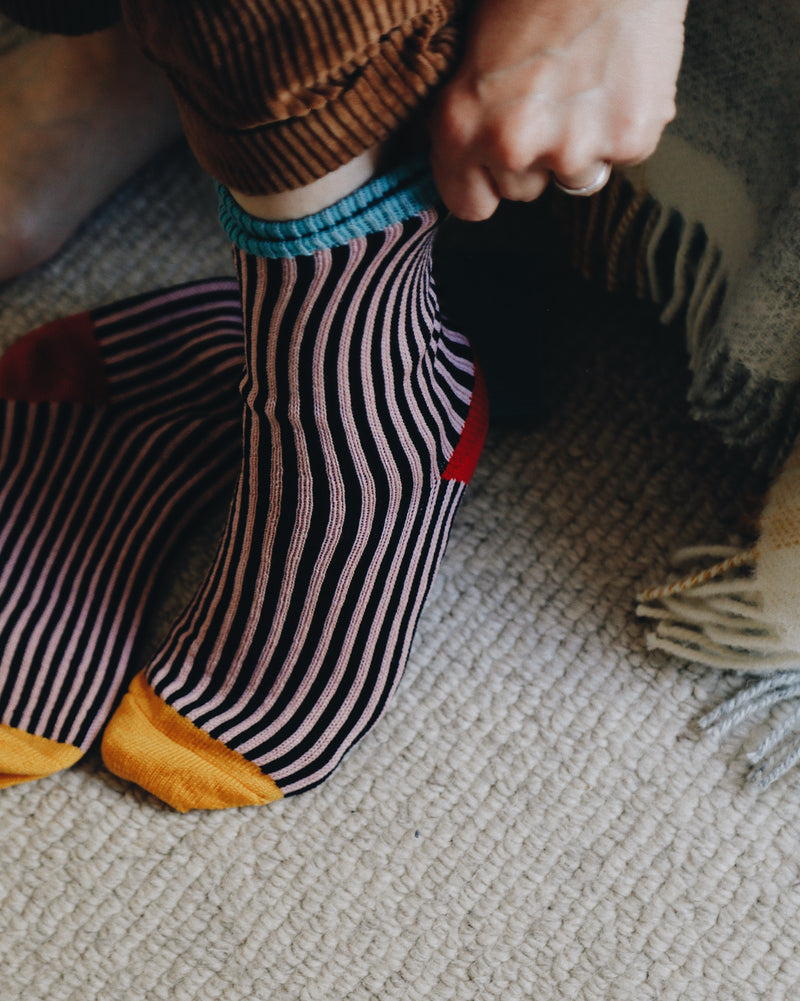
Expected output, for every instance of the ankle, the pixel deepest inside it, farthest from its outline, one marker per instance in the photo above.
(338, 184)
(314, 197)
(384, 200)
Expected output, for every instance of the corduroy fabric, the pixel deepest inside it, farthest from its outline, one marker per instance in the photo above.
(274, 94)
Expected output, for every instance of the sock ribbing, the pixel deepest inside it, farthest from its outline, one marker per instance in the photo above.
(357, 399)
(93, 494)
(387, 199)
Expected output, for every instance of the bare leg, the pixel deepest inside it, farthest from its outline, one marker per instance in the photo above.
(315, 196)
(78, 116)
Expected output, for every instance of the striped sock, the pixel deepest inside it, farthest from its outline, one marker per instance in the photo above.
(117, 427)
(363, 421)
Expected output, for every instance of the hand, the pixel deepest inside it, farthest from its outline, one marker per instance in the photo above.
(553, 87)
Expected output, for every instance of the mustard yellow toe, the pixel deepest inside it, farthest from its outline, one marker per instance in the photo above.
(25, 757)
(149, 743)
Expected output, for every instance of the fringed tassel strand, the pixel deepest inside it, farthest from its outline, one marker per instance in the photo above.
(779, 750)
(741, 611)
(715, 616)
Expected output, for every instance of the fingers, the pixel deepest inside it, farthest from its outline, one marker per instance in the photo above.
(466, 189)
(636, 139)
(586, 184)
(473, 192)
(479, 161)
(527, 106)
(521, 186)
(580, 159)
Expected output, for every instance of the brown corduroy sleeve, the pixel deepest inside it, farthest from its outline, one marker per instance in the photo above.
(274, 94)
(62, 17)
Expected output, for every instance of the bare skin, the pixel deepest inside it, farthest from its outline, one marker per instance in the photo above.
(315, 196)
(78, 116)
(545, 87)
(553, 87)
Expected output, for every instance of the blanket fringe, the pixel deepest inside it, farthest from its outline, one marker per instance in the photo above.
(779, 750)
(715, 617)
(625, 239)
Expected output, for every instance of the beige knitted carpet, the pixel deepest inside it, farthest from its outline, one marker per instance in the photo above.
(536, 817)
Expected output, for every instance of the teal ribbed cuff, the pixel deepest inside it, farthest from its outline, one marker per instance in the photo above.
(388, 199)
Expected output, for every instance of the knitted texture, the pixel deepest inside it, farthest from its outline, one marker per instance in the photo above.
(117, 428)
(276, 94)
(388, 199)
(536, 817)
(708, 229)
(533, 818)
(363, 418)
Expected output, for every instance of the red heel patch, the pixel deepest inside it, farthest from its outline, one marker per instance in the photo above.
(467, 452)
(58, 363)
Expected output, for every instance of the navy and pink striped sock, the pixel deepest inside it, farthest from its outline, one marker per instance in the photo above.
(364, 416)
(117, 428)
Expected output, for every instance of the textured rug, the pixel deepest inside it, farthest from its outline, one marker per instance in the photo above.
(536, 817)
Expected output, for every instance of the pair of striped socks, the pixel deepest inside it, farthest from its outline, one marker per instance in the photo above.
(359, 419)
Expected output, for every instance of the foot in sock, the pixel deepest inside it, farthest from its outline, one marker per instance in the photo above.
(117, 428)
(363, 419)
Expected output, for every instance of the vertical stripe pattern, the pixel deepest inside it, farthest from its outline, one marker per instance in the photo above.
(355, 399)
(93, 495)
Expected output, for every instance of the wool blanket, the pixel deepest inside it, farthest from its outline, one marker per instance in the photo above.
(708, 229)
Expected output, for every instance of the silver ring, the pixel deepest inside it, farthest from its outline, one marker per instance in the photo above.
(588, 189)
